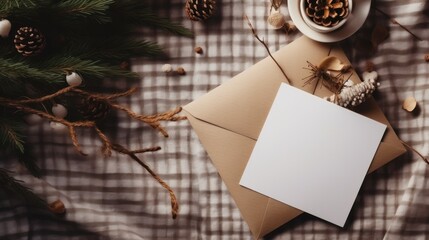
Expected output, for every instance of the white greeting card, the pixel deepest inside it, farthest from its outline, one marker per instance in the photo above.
(312, 154)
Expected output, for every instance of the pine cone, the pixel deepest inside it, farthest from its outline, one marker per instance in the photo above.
(93, 109)
(198, 10)
(327, 13)
(29, 41)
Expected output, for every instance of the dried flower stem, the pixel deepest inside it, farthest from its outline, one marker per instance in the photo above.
(414, 150)
(266, 47)
(396, 22)
(108, 146)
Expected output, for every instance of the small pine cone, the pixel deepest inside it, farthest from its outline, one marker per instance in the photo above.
(327, 13)
(29, 41)
(199, 10)
(93, 109)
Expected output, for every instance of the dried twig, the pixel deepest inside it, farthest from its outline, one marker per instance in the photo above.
(266, 47)
(414, 150)
(108, 146)
(396, 22)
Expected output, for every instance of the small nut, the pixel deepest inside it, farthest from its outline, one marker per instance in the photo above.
(198, 50)
(409, 104)
(427, 57)
(57, 207)
(181, 71)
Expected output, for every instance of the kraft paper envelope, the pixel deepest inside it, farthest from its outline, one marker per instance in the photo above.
(229, 119)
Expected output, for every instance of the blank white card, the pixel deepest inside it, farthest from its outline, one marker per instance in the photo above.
(312, 155)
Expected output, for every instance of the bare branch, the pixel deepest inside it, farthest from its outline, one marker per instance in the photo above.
(266, 47)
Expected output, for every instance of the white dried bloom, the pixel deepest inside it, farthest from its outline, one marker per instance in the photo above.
(276, 19)
(167, 68)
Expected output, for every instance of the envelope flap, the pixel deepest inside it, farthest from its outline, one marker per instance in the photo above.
(229, 153)
(246, 99)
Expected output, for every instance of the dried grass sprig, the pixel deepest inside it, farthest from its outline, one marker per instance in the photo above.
(331, 79)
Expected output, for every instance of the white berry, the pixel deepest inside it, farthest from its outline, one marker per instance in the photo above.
(59, 111)
(5, 27)
(58, 127)
(74, 79)
(33, 119)
(167, 68)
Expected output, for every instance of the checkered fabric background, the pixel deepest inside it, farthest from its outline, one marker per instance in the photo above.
(114, 198)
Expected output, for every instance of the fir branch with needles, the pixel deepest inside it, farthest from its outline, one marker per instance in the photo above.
(94, 9)
(11, 133)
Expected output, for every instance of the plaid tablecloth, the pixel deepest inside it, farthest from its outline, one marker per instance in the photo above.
(114, 198)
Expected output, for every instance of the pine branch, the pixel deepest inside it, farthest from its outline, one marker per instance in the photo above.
(11, 69)
(94, 10)
(15, 187)
(127, 49)
(9, 5)
(113, 49)
(11, 136)
(90, 68)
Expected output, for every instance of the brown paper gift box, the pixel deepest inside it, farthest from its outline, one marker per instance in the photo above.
(229, 119)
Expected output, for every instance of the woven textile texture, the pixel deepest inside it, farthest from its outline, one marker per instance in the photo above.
(114, 198)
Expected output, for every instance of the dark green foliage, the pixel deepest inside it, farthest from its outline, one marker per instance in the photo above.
(11, 133)
(90, 37)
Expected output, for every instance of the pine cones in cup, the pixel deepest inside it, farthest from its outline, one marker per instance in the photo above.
(325, 15)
